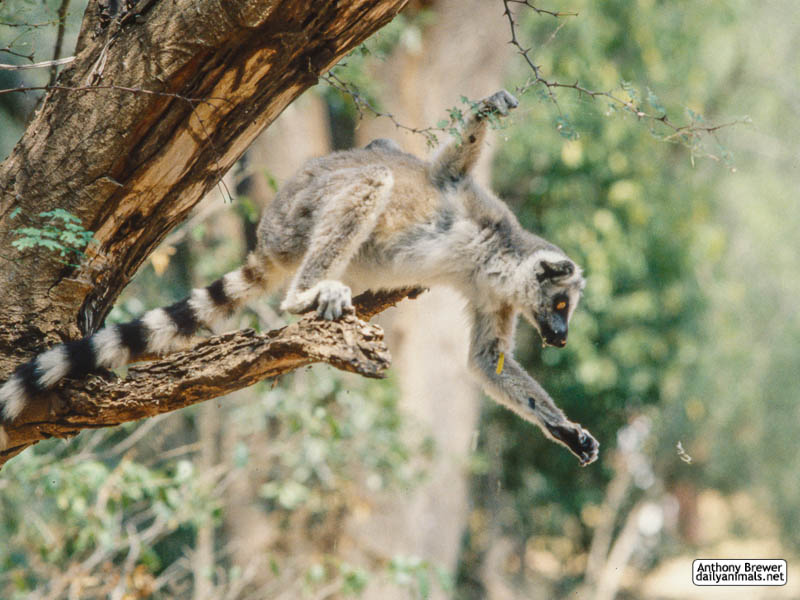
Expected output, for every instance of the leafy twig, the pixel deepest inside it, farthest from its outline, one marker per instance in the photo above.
(450, 125)
(685, 134)
(67, 238)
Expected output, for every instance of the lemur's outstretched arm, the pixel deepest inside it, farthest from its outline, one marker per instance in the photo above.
(457, 158)
(508, 383)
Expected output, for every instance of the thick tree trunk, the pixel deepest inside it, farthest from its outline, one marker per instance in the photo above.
(155, 108)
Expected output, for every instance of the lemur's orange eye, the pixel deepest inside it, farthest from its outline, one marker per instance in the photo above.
(561, 305)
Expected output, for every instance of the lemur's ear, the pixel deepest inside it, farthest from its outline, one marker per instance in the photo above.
(554, 270)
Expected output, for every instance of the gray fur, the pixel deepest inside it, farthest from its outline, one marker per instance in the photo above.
(377, 218)
(383, 144)
(380, 218)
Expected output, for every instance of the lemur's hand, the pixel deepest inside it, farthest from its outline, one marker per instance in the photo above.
(498, 103)
(580, 442)
(330, 299)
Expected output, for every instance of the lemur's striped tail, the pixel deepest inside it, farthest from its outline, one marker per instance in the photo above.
(158, 331)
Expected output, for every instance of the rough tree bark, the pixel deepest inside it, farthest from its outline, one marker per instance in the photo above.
(156, 107)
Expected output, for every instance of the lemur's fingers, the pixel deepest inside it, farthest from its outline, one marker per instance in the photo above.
(329, 298)
(334, 300)
(500, 102)
(579, 441)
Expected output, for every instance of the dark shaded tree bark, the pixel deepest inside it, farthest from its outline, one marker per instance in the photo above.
(156, 107)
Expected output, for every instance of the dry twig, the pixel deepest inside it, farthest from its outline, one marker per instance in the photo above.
(685, 133)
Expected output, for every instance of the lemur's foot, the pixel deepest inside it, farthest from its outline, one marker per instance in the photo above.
(500, 102)
(331, 299)
(579, 441)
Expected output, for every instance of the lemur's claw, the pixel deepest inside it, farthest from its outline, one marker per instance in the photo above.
(589, 448)
(500, 102)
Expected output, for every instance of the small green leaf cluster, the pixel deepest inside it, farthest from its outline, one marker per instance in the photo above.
(414, 575)
(418, 576)
(61, 233)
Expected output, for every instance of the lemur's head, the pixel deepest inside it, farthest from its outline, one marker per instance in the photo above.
(553, 291)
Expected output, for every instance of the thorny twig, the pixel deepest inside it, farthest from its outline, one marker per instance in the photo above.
(362, 104)
(684, 133)
(8, 50)
(543, 11)
(30, 25)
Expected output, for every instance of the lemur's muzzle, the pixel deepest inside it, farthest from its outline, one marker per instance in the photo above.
(554, 332)
(558, 341)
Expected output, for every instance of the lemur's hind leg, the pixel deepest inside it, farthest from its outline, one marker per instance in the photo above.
(350, 202)
(457, 158)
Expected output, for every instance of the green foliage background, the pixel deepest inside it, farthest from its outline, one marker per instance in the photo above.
(689, 313)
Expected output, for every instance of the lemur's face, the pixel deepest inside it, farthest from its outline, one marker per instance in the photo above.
(554, 293)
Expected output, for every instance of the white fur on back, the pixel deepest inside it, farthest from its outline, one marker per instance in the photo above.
(109, 349)
(52, 366)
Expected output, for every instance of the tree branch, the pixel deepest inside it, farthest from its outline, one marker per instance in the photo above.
(39, 65)
(62, 24)
(212, 368)
(685, 134)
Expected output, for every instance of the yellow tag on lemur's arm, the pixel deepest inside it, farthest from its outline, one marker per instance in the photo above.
(500, 360)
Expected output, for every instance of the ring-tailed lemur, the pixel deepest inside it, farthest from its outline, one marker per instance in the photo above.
(375, 217)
